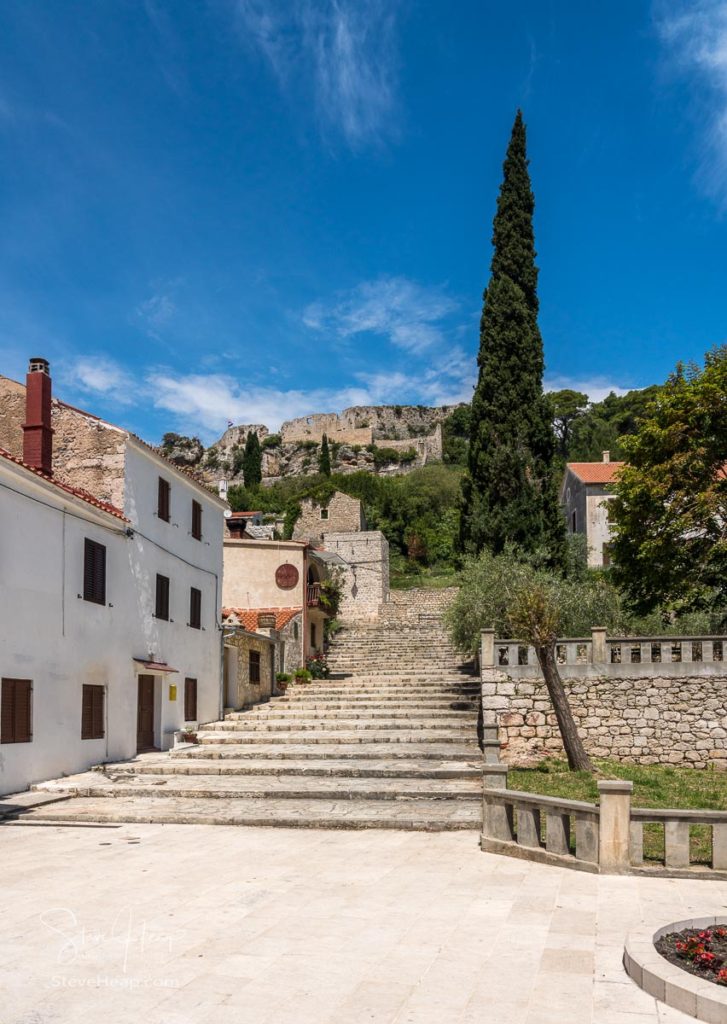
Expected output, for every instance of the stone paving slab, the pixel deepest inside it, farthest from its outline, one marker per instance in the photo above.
(322, 751)
(265, 926)
(345, 767)
(422, 815)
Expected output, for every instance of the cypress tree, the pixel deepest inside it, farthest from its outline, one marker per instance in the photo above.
(324, 459)
(509, 493)
(252, 461)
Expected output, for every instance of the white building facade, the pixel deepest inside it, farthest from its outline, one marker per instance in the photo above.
(110, 638)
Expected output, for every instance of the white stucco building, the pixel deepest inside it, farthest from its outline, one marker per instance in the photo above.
(585, 496)
(111, 608)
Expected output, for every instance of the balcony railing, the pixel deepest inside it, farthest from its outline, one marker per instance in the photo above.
(314, 595)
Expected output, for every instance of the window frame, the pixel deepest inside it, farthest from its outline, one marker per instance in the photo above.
(164, 500)
(93, 716)
(161, 603)
(196, 519)
(9, 688)
(254, 667)
(94, 571)
(195, 606)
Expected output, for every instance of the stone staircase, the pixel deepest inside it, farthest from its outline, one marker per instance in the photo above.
(389, 741)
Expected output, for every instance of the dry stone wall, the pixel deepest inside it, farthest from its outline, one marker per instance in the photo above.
(343, 515)
(679, 720)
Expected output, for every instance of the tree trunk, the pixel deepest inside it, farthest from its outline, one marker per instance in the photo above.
(578, 759)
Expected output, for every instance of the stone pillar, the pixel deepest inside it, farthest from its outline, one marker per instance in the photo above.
(614, 826)
(598, 645)
(487, 649)
(497, 820)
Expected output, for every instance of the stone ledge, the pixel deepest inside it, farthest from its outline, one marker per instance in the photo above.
(532, 853)
(670, 984)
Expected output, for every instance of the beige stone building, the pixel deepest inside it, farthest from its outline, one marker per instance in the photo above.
(585, 496)
(340, 514)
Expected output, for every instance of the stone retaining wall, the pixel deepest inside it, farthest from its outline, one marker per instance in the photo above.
(644, 719)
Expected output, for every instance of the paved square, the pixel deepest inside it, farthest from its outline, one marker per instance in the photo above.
(173, 924)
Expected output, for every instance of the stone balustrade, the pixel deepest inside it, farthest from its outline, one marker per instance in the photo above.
(606, 837)
(600, 655)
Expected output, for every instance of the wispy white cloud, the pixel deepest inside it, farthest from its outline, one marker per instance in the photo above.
(343, 50)
(408, 314)
(98, 375)
(155, 312)
(597, 388)
(694, 36)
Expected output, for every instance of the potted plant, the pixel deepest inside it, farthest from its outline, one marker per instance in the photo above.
(187, 735)
(318, 666)
(281, 680)
(302, 675)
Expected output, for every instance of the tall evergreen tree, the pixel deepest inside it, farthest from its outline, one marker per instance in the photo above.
(324, 459)
(252, 461)
(509, 494)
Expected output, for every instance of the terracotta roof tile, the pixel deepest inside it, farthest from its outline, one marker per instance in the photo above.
(77, 492)
(248, 617)
(596, 472)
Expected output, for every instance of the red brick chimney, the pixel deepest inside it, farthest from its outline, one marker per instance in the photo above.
(37, 431)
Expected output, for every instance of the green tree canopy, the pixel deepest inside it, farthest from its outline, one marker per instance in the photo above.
(252, 461)
(509, 493)
(567, 407)
(324, 459)
(669, 515)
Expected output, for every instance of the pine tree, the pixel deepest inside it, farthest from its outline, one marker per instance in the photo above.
(252, 461)
(509, 494)
(324, 459)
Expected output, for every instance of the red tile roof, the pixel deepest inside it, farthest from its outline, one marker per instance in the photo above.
(596, 472)
(244, 515)
(247, 617)
(77, 492)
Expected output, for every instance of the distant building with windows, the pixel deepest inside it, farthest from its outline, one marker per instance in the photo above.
(584, 496)
(111, 590)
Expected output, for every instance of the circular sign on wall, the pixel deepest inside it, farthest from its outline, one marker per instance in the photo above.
(286, 576)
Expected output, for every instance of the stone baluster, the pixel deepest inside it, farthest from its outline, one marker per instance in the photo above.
(487, 648)
(676, 844)
(707, 650)
(497, 819)
(557, 832)
(599, 651)
(614, 825)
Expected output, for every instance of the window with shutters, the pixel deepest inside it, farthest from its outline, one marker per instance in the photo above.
(196, 520)
(162, 597)
(163, 501)
(195, 608)
(254, 666)
(190, 700)
(15, 711)
(92, 713)
(94, 572)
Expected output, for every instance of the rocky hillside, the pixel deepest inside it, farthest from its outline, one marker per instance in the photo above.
(384, 439)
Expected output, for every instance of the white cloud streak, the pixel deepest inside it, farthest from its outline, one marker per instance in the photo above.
(597, 388)
(694, 36)
(98, 375)
(344, 51)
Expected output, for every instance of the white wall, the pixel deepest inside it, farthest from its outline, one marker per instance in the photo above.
(50, 635)
(171, 550)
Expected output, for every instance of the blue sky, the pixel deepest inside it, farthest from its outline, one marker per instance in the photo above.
(250, 210)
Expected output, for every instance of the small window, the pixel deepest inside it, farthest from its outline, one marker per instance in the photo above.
(195, 608)
(163, 500)
(94, 572)
(296, 631)
(15, 711)
(573, 521)
(162, 597)
(324, 513)
(254, 666)
(190, 700)
(196, 520)
(92, 713)
(313, 635)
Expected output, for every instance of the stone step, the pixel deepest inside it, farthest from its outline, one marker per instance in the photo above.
(260, 787)
(332, 736)
(321, 751)
(383, 707)
(419, 815)
(323, 712)
(351, 768)
(291, 721)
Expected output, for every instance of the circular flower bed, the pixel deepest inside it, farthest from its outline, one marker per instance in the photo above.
(701, 952)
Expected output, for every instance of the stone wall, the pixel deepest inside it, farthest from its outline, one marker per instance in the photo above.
(672, 719)
(366, 574)
(87, 452)
(409, 604)
(312, 428)
(342, 514)
(242, 692)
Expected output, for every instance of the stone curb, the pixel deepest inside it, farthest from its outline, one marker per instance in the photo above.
(670, 984)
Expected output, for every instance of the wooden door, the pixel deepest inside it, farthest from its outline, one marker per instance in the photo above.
(145, 714)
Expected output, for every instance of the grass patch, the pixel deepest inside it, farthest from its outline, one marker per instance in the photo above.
(654, 786)
(426, 578)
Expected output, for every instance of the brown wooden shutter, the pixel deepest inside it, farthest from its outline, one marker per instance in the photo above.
(190, 700)
(94, 572)
(92, 713)
(196, 520)
(16, 711)
(162, 597)
(195, 608)
(254, 666)
(163, 502)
